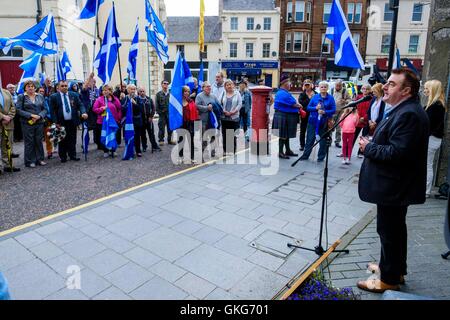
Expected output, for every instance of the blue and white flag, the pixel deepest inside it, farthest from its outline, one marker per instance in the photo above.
(409, 65)
(40, 38)
(65, 63)
(128, 135)
(200, 77)
(90, 9)
(107, 56)
(213, 120)
(156, 34)
(397, 61)
(29, 67)
(109, 128)
(86, 139)
(176, 95)
(188, 78)
(60, 75)
(132, 56)
(346, 54)
(42, 77)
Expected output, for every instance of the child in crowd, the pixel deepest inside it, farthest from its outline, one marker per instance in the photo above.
(348, 132)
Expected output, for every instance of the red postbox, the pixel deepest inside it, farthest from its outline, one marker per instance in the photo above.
(259, 143)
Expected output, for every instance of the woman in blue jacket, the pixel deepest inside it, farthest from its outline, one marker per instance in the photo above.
(322, 108)
(285, 118)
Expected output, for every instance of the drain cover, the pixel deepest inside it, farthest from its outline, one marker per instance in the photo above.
(275, 243)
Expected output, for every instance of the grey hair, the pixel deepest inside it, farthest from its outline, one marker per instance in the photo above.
(131, 86)
(324, 83)
(338, 81)
(205, 83)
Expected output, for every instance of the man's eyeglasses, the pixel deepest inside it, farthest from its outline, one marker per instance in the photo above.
(165, 83)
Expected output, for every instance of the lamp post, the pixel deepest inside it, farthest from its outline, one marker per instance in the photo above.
(393, 5)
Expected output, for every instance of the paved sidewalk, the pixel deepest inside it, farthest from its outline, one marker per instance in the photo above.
(217, 232)
(428, 274)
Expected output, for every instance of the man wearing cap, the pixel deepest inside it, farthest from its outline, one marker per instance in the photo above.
(285, 118)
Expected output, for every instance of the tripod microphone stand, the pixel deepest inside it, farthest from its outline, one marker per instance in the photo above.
(319, 250)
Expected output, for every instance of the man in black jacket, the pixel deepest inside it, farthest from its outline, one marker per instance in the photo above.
(149, 112)
(393, 175)
(67, 108)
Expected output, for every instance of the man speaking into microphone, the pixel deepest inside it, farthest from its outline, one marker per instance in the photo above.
(393, 175)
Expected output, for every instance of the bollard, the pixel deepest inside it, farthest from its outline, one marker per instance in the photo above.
(259, 143)
(4, 294)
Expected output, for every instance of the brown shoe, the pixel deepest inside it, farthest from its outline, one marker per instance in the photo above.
(375, 268)
(376, 286)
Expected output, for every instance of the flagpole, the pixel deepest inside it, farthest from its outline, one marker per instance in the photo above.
(148, 70)
(118, 51)
(320, 57)
(95, 34)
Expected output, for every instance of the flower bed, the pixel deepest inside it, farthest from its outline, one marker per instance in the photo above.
(318, 288)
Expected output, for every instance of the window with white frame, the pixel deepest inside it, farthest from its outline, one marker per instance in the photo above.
(308, 11)
(388, 13)
(326, 44)
(298, 41)
(350, 12)
(358, 13)
(233, 49)
(234, 23)
(250, 23)
(266, 50)
(289, 11)
(288, 42)
(417, 12)
(267, 23)
(326, 12)
(385, 43)
(249, 50)
(413, 43)
(299, 11)
(356, 37)
(306, 37)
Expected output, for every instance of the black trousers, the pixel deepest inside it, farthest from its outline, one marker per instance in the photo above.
(230, 126)
(137, 138)
(18, 134)
(303, 129)
(97, 135)
(67, 147)
(149, 129)
(163, 123)
(243, 118)
(391, 227)
(189, 126)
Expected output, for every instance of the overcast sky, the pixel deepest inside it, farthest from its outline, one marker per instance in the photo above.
(191, 7)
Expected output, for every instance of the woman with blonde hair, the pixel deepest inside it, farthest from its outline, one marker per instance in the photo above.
(435, 110)
(376, 109)
(231, 102)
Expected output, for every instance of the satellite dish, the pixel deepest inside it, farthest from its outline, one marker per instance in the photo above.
(274, 53)
(258, 26)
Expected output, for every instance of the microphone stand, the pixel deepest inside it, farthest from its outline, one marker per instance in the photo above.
(319, 250)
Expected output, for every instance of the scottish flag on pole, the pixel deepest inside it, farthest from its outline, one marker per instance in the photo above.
(109, 128)
(40, 38)
(188, 78)
(346, 53)
(176, 95)
(90, 9)
(156, 34)
(128, 153)
(132, 56)
(200, 77)
(397, 61)
(60, 75)
(29, 67)
(107, 56)
(65, 63)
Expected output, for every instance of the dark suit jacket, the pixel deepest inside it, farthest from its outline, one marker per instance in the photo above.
(394, 170)
(380, 114)
(57, 106)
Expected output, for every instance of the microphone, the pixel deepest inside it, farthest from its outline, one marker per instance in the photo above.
(355, 103)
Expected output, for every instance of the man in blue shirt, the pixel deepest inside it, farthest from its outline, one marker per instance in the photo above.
(322, 108)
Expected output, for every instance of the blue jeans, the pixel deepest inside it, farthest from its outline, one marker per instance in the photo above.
(311, 139)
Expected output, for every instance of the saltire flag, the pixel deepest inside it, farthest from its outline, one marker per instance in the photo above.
(107, 55)
(86, 139)
(132, 56)
(397, 61)
(128, 135)
(42, 77)
(65, 63)
(109, 128)
(156, 34)
(40, 38)
(176, 95)
(201, 32)
(90, 9)
(213, 120)
(200, 77)
(346, 53)
(188, 78)
(60, 75)
(29, 67)
(409, 65)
